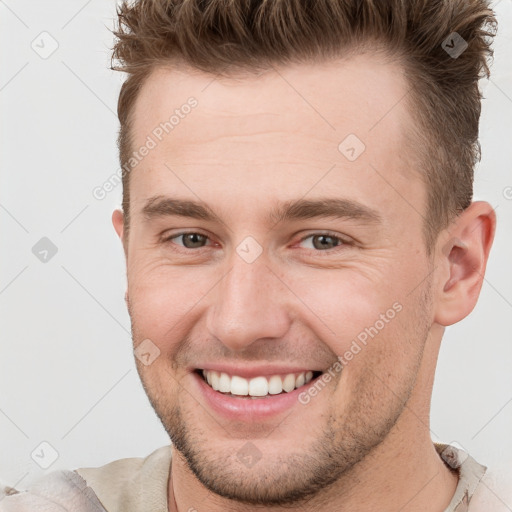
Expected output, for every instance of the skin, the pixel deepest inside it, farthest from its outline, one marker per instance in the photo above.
(363, 443)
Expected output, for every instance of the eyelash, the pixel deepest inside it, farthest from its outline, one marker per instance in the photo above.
(343, 242)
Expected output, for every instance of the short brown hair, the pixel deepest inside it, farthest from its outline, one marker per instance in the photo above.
(226, 37)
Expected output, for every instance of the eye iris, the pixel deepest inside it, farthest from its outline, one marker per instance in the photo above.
(196, 240)
(323, 244)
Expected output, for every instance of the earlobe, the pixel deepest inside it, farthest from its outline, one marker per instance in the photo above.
(462, 261)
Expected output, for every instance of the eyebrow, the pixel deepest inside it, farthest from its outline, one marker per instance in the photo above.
(298, 209)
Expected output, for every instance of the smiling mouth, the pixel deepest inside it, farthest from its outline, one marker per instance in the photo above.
(257, 387)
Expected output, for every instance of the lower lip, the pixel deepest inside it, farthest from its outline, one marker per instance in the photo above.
(247, 409)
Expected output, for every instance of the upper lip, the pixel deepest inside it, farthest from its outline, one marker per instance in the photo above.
(255, 371)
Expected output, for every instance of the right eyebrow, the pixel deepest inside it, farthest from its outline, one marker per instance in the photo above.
(160, 206)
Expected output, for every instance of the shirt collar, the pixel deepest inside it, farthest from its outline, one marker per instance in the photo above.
(470, 473)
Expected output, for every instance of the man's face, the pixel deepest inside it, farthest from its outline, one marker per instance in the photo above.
(252, 295)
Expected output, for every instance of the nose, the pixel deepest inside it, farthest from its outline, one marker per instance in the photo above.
(250, 303)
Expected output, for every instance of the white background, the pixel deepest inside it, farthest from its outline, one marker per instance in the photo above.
(67, 374)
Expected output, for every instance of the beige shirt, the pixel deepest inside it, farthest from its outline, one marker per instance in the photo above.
(140, 485)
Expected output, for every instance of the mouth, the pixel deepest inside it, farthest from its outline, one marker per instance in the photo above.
(259, 387)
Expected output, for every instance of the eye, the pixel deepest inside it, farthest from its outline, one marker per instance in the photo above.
(190, 240)
(324, 241)
(320, 242)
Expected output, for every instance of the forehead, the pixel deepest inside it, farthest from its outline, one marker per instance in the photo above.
(282, 128)
(336, 97)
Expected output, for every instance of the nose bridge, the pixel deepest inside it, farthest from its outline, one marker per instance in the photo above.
(249, 304)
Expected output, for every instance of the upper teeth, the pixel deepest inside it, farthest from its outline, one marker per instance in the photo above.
(257, 386)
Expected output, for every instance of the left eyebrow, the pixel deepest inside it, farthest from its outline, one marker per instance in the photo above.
(326, 207)
(298, 209)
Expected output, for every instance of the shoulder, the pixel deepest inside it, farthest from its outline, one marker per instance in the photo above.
(494, 492)
(56, 491)
(130, 484)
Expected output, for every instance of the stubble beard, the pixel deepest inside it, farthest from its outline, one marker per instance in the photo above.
(297, 477)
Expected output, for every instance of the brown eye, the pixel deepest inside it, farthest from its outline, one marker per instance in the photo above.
(193, 240)
(189, 240)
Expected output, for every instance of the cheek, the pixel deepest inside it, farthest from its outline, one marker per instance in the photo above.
(165, 301)
(370, 320)
(345, 302)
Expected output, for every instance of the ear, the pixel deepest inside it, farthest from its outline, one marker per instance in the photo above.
(462, 254)
(118, 222)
